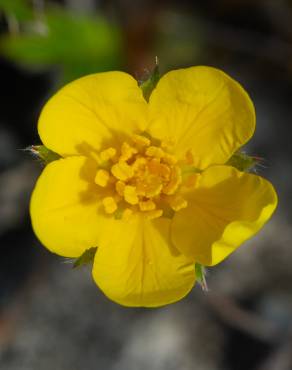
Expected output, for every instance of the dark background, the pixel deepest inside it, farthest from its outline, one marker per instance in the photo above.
(53, 317)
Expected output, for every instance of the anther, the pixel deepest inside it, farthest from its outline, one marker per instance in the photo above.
(120, 187)
(154, 166)
(177, 203)
(147, 205)
(154, 151)
(169, 158)
(127, 213)
(139, 164)
(102, 178)
(122, 171)
(130, 194)
(165, 171)
(107, 154)
(140, 189)
(110, 205)
(127, 152)
(153, 214)
(141, 140)
(175, 181)
(153, 189)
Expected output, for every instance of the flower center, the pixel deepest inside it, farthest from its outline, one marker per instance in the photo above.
(141, 177)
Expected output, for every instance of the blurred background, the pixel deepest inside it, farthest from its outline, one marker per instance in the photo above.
(53, 317)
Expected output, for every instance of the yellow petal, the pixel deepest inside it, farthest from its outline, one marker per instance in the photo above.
(92, 111)
(64, 207)
(136, 266)
(226, 208)
(203, 110)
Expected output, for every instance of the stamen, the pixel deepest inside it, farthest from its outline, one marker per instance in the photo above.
(102, 178)
(175, 181)
(153, 189)
(177, 203)
(153, 214)
(141, 189)
(122, 171)
(130, 195)
(139, 164)
(110, 205)
(144, 176)
(120, 187)
(141, 140)
(154, 151)
(165, 171)
(127, 152)
(154, 166)
(107, 154)
(147, 205)
(157, 168)
(127, 213)
(169, 158)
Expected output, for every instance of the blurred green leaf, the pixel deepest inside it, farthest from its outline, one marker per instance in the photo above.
(78, 44)
(18, 8)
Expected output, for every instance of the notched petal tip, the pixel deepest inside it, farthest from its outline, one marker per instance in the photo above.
(138, 269)
(202, 107)
(227, 208)
(92, 110)
(64, 207)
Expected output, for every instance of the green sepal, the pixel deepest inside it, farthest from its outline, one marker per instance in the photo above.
(150, 83)
(85, 258)
(243, 162)
(44, 154)
(201, 276)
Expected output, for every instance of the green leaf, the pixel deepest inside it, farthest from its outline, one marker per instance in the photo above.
(150, 83)
(86, 258)
(44, 154)
(243, 162)
(77, 44)
(201, 276)
(20, 9)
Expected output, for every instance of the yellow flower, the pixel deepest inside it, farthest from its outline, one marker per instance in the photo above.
(147, 183)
